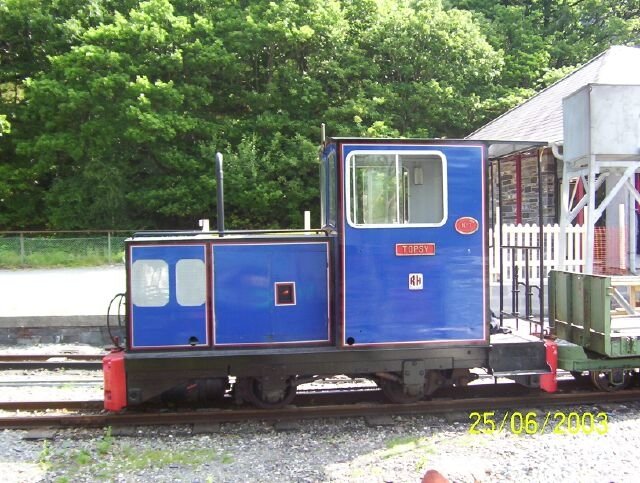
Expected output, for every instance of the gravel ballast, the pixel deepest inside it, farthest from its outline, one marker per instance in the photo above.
(345, 450)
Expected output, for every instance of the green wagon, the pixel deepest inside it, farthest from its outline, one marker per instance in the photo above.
(598, 329)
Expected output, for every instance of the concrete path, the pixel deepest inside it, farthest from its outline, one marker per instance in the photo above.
(59, 291)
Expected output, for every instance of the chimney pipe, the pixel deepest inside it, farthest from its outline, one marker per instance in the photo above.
(220, 192)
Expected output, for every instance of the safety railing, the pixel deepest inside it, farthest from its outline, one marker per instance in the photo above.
(518, 264)
(61, 248)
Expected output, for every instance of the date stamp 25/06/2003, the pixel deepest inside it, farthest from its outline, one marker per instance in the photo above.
(531, 422)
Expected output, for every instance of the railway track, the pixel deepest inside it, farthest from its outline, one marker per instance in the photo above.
(50, 361)
(23, 382)
(309, 406)
(89, 404)
(303, 398)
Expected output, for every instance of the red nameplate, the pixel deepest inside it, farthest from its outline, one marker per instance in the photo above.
(415, 249)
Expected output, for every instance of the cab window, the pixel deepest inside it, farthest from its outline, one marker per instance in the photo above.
(396, 188)
(328, 190)
(150, 283)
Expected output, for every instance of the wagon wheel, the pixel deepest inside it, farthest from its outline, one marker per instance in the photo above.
(580, 376)
(603, 379)
(266, 393)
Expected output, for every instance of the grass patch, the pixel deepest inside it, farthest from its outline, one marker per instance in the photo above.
(9, 259)
(404, 444)
(106, 443)
(60, 251)
(403, 441)
(157, 458)
(227, 459)
(51, 259)
(44, 458)
(82, 457)
(99, 459)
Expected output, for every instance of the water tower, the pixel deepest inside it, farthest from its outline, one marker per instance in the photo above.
(601, 126)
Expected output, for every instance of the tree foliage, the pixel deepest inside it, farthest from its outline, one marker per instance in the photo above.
(111, 111)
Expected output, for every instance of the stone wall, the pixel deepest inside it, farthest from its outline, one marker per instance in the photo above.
(85, 329)
(528, 188)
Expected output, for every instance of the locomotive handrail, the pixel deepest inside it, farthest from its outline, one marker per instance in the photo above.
(515, 266)
(151, 233)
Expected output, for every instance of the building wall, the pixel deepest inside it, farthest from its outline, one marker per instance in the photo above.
(527, 185)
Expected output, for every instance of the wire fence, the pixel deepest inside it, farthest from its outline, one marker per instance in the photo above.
(61, 248)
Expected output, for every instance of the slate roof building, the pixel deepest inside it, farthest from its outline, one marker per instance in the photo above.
(538, 122)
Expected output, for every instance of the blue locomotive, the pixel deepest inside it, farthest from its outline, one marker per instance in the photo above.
(392, 287)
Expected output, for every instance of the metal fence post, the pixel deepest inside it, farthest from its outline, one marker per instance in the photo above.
(109, 247)
(22, 255)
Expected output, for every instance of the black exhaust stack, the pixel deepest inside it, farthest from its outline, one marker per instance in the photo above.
(220, 192)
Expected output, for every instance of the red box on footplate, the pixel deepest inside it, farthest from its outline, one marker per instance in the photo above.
(548, 382)
(115, 381)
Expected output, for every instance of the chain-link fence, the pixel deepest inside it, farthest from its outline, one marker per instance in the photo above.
(62, 248)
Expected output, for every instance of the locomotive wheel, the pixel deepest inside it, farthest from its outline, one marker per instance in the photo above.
(212, 389)
(264, 393)
(394, 392)
(602, 380)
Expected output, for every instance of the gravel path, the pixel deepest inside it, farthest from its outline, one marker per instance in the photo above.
(346, 450)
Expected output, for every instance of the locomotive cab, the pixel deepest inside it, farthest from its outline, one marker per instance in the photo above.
(393, 286)
(411, 241)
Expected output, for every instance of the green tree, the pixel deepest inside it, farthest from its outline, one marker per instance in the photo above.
(31, 32)
(5, 126)
(427, 72)
(124, 118)
(116, 108)
(539, 36)
(28, 33)
(582, 29)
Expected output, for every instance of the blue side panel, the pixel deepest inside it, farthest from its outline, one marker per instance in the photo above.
(379, 306)
(171, 324)
(244, 293)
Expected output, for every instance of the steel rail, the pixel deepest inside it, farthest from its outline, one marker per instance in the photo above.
(46, 357)
(50, 365)
(332, 396)
(312, 397)
(50, 361)
(93, 404)
(304, 397)
(22, 383)
(309, 412)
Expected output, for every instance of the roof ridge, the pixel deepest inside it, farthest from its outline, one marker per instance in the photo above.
(575, 71)
(612, 60)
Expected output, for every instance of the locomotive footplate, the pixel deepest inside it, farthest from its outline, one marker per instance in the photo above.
(152, 373)
(518, 357)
